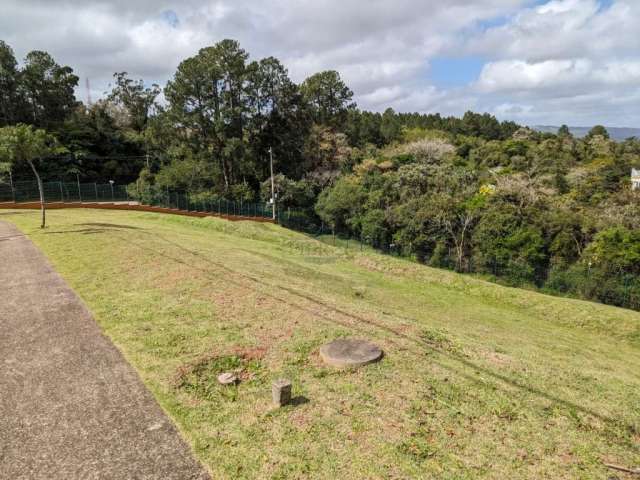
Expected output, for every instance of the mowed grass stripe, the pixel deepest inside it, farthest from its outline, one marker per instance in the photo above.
(478, 380)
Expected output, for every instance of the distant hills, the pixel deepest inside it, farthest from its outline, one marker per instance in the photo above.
(616, 133)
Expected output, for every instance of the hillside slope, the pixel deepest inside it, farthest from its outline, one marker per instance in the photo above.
(616, 133)
(478, 380)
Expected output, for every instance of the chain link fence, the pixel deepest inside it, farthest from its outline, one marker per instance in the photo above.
(26, 191)
(623, 290)
(110, 192)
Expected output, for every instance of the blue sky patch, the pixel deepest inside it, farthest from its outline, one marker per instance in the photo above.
(171, 18)
(446, 72)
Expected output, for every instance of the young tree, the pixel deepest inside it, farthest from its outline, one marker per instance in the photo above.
(390, 127)
(564, 131)
(340, 205)
(23, 144)
(598, 130)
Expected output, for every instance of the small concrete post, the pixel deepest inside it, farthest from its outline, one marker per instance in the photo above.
(281, 392)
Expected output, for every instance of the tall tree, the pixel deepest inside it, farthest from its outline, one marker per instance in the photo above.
(139, 101)
(207, 101)
(9, 103)
(48, 90)
(328, 96)
(278, 117)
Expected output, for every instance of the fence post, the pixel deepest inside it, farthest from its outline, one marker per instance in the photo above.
(95, 186)
(61, 192)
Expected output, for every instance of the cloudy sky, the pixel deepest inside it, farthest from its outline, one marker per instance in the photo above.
(533, 61)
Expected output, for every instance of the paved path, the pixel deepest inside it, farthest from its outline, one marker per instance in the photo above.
(71, 407)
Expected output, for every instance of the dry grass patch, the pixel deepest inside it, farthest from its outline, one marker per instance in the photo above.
(477, 381)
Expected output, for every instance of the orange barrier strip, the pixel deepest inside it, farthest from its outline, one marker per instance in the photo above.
(124, 206)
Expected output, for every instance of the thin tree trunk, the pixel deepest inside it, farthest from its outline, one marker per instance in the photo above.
(41, 190)
(223, 167)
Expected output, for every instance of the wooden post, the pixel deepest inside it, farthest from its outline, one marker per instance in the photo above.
(281, 392)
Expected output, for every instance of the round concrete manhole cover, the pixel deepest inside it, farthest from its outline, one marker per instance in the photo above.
(350, 352)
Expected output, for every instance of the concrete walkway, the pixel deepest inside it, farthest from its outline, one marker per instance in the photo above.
(70, 405)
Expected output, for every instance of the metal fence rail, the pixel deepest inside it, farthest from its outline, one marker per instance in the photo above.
(21, 192)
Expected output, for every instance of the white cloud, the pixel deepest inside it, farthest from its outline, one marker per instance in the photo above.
(375, 45)
(565, 29)
(571, 60)
(558, 75)
(515, 75)
(563, 61)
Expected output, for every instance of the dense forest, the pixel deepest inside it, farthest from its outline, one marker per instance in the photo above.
(539, 210)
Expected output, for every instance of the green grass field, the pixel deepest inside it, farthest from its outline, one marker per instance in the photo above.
(478, 380)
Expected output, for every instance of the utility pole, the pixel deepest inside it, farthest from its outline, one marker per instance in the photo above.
(273, 188)
(13, 191)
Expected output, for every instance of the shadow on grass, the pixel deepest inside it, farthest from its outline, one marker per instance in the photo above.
(95, 227)
(299, 400)
(109, 225)
(83, 231)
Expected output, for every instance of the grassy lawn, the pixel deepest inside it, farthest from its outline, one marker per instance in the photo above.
(478, 380)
